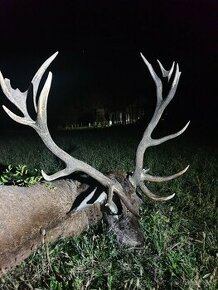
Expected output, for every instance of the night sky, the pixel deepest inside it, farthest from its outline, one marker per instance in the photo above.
(99, 44)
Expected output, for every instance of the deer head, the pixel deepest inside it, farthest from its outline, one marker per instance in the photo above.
(118, 191)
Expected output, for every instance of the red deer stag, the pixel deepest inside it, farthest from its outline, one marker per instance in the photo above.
(66, 208)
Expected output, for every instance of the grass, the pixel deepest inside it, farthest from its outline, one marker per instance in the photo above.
(181, 248)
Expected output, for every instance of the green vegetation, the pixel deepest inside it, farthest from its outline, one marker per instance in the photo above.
(181, 247)
(19, 175)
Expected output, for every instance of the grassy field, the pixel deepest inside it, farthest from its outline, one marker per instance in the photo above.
(181, 247)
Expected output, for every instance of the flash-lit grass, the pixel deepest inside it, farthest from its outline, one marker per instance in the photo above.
(181, 249)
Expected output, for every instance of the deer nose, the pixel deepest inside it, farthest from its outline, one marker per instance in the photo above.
(132, 240)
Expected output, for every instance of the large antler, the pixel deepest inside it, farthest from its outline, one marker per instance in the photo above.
(19, 99)
(140, 175)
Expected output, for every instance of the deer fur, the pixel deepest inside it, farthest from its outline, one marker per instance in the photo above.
(44, 212)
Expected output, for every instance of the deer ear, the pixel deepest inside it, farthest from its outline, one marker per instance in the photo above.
(88, 198)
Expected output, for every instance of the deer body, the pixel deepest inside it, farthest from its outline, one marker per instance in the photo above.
(30, 216)
(62, 208)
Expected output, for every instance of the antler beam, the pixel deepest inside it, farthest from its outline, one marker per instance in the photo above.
(140, 174)
(19, 99)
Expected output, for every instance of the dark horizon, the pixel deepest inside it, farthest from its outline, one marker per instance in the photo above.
(99, 45)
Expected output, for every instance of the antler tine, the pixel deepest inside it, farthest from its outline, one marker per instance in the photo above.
(22, 120)
(140, 175)
(15, 96)
(19, 99)
(169, 137)
(166, 73)
(148, 177)
(40, 125)
(152, 196)
(159, 86)
(38, 76)
(42, 129)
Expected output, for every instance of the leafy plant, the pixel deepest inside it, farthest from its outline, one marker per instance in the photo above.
(19, 175)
